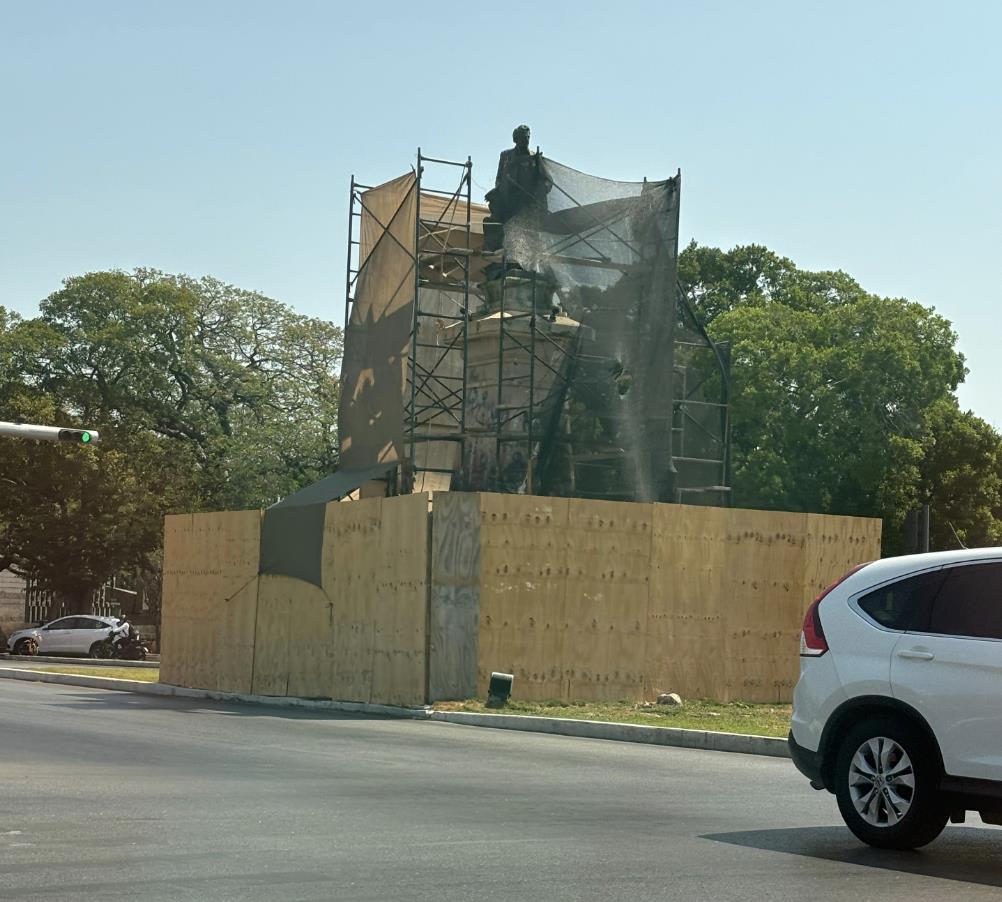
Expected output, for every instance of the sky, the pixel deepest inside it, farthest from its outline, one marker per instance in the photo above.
(218, 138)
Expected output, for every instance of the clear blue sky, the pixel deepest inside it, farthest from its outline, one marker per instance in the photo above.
(219, 137)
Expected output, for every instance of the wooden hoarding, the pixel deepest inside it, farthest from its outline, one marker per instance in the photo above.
(210, 599)
(580, 600)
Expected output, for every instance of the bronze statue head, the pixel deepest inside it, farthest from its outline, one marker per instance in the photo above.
(521, 137)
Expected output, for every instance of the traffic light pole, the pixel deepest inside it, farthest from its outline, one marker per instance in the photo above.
(49, 433)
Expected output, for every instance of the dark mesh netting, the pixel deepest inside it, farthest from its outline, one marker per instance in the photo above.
(607, 387)
(699, 411)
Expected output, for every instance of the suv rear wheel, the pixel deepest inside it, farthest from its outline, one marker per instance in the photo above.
(885, 783)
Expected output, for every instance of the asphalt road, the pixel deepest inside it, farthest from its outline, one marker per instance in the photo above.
(106, 795)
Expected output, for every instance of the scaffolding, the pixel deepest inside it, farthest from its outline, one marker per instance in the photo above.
(508, 419)
(528, 434)
(539, 449)
(700, 408)
(435, 392)
(533, 368)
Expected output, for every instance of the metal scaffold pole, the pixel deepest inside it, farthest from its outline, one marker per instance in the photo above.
(438, 361)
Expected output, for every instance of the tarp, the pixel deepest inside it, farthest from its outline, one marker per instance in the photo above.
(628, 394)
(374, 374)
(292, 532)
(610, 248)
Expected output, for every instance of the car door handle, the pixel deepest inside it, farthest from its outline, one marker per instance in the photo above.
(916, 655)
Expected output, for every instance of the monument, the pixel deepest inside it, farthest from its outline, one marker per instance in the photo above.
(520, 185)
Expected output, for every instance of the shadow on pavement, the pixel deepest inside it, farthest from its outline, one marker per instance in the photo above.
(968, 854)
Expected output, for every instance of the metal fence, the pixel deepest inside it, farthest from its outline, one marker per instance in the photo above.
(44, 604)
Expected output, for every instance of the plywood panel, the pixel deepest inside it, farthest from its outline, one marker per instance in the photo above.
(293, 653)
(210, 567)
(688, 569)
(311, 647)
(763, 586)
(233, 648)
(523, 562)
(454, 614)
(232, 540)
(271, 647)
(375, 566)
(606, 599)
(350, 578)
(835, 545)
(436, 455)
(175, 601)
(400, 613)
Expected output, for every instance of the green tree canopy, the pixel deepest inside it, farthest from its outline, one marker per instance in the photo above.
(206, 397)
(842, 401)
(962, 477)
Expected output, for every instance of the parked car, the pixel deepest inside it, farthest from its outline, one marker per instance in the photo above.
(77, 635)
(898, 710)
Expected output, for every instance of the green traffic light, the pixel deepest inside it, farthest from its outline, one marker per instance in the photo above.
(85, 437)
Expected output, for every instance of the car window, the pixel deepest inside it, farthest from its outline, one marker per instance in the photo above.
(61, 624)
(74, 623)
(88, 623)
(905, 604)
(970, 603)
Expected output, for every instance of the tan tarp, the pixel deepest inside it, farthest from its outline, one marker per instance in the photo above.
(377, 346)
(374, 376)
(451, 211)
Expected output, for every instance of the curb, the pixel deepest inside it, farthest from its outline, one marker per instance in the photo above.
(623, 732)
(706, 740)
(79, 662)
(166, 690)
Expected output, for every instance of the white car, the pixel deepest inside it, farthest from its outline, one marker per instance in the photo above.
(76, 635)
(898, 710)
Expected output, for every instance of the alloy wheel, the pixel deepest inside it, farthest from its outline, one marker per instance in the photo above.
(881, 782)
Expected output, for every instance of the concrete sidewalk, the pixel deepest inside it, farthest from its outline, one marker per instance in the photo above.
(561, 726)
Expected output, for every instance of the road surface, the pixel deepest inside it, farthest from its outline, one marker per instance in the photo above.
(107, 795)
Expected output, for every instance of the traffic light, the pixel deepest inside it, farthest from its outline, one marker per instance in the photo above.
(80, 436)
(49, 433)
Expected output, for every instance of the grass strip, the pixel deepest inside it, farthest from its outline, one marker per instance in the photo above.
(141, 674)
(732, 717)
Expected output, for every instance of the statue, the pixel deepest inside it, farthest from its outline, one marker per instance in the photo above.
(521, 183)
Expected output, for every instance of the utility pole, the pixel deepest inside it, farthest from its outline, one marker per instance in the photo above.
(49, 433)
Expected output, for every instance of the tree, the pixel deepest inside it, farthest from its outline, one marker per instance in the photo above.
(73, 517)
(961, 477)
(831, 386)
(246, 383)
(206, 396)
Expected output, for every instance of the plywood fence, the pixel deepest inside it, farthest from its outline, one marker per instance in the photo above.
(361, 636)
(579, 599)
(600, 600)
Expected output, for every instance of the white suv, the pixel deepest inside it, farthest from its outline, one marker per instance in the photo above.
(898, 710)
